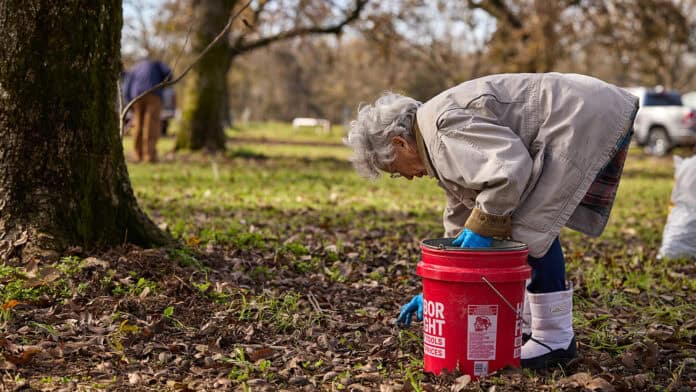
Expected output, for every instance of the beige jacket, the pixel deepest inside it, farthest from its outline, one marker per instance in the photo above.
(516, 153)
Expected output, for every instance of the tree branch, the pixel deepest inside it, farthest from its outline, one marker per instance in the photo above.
(334, 29)
(169, 81)
(498, 10)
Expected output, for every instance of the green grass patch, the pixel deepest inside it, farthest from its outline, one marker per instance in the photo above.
(289, 204)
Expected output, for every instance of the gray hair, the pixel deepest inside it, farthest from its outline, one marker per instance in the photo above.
(371, 132)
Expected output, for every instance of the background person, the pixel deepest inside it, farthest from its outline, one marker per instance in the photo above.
(168, 108)
(519, 156)
(147, 123)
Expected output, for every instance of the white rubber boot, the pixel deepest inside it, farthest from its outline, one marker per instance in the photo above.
(553, 340)
(526, 315)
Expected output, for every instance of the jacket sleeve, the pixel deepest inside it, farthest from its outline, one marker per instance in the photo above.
(126, 88)
(454, 215)
(475, 153)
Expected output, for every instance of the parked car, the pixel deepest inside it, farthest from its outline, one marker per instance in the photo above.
(663, 122)
(689, 99)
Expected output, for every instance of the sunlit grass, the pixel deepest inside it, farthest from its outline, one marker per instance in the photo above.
(260, 196)
(260, 178)
(285, 131)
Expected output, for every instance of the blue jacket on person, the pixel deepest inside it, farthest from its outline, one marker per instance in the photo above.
(143, 76)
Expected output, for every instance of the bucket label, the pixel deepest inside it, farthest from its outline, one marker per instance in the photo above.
(433, 328)
(518, 331)
(482, 331)
(480, 368)
(431, 340)
(434, 351)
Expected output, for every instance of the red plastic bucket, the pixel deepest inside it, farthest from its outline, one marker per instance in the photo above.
(468, 301)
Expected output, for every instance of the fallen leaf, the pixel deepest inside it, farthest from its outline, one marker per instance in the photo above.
(660, 331)
(202, 348)
(631, 290)
(358, 387)
(652, 355)
(261, 353)
(23, 356)
(7, 365)
(460, 383)
(133, 378)
(329, 376)
(10, 304)
(91, 262)
(23, 238)
(45, 277)
(636, 382)
(599, 384)
(372, 376)
(577, 380)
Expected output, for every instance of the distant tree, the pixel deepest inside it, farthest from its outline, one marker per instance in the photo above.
(63, 178)
(530, 35)
(139, 35)
(417, 48)
(651, 42)
(204, 101)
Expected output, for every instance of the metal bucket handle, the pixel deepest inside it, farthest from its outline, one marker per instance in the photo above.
(499, 294)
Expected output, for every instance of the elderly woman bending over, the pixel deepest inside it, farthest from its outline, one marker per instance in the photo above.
(519, 156)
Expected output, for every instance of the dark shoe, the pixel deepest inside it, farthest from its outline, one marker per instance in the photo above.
(552, 358)
(525, 337)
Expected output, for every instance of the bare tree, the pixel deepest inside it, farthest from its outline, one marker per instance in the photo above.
(649, 40)
(142, 34)
(531, 35)
(205, 108)
(415, 47)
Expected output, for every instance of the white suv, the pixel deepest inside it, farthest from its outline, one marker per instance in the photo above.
(663, 122)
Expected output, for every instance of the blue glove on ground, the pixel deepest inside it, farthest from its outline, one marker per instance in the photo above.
(469, 239)
(415, 306)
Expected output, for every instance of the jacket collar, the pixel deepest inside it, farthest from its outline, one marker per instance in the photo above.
(422, 151)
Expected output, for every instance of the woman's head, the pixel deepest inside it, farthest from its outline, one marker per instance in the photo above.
(382, 137)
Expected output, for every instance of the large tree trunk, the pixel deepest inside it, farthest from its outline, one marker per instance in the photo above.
(63, 178)
(204, 114)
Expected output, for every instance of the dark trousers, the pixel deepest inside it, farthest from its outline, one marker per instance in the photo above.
(548, 271)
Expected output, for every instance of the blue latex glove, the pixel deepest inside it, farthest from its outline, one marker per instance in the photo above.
(469, 239)
(415, 306)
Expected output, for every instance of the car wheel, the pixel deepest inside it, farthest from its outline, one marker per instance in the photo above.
(658, 142)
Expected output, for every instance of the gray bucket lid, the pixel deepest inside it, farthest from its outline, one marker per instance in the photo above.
(496, 246)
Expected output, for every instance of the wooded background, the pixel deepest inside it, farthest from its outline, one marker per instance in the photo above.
(275, 67)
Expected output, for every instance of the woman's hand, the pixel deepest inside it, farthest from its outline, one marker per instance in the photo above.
(415, 306)
(469, 239)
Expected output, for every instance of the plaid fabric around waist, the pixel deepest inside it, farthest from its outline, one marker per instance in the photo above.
(600, 196)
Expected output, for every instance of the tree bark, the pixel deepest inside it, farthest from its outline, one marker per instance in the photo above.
(63, 177)
(204, 112)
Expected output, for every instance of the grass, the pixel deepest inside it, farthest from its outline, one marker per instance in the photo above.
(285, 212)
(283, 131)
(265, 193)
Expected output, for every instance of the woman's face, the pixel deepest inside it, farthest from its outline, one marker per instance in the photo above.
(406, 162)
